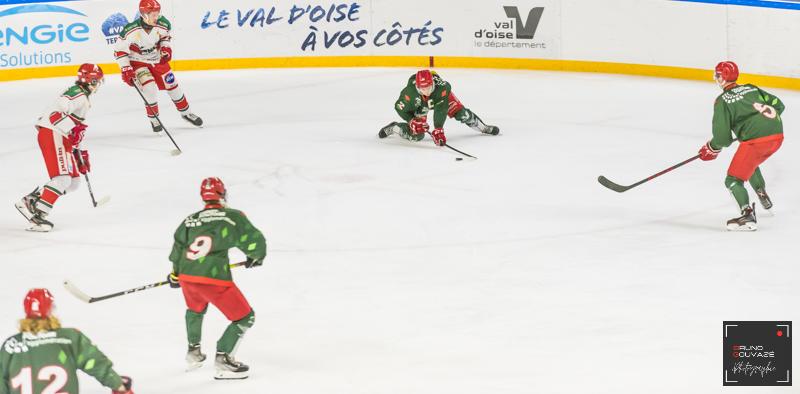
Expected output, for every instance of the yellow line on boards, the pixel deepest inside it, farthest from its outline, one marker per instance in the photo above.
(420, 61)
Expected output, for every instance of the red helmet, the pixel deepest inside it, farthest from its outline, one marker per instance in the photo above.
(424, 82)
(727, 71)
(146, 6)
(38, 304)
(90, 74)
(212, 189)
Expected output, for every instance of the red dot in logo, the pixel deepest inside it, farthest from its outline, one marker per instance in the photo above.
(780, 333)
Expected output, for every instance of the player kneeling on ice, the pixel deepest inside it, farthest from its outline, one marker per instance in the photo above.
(201, 268)
(44, 357)
(754, 116)
(143, 52)
(427, 91)
(60, 133)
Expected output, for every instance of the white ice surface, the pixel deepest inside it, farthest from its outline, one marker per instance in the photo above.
(393, 268)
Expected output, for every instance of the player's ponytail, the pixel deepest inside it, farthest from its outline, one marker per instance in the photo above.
(35, 326)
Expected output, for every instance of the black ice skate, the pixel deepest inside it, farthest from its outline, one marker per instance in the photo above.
(40, 224)
(194, 357)
(746, 222)
(192, 118)
(766, 203)
(27, 205)
(478, 125)
(228, 368)
(391, 128)
(156, 125)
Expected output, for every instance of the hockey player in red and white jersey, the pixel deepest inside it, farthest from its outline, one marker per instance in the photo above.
(143, 53)
(60, 132)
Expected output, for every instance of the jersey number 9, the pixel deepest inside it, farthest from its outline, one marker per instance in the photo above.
(199, 248)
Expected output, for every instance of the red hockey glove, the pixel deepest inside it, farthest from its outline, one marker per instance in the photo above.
(419, 125)
(166, 54)
(76, 134)
(128, 75)
(708, 153)
(438, 136)
(82, 159)
(126, 388)
(173, 280)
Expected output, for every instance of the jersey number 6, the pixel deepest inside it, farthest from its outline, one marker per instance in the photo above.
(199, 248)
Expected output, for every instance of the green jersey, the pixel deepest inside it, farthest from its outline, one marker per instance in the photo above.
(200, 251)
(47, 362)
(411, 104)
(749, 112)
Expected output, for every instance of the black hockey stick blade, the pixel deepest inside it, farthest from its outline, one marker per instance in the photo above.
(611, 185)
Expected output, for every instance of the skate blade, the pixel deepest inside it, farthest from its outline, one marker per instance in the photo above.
(39, 228)
(746, 227)
(192, 366)
(229, 375)
(23, 210)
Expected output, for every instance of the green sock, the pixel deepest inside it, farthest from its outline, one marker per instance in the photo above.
(757, 180)
(194, 325)
(233, 334)
(736, 186)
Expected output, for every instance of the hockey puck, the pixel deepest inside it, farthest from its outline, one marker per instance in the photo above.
(459, 158)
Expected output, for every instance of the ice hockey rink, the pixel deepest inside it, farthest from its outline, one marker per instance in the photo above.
(394, 268)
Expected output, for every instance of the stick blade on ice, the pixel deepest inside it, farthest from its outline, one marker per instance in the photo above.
(77, 292)
(175, 152)
(611, 185)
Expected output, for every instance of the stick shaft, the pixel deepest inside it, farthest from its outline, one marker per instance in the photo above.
(136, 86)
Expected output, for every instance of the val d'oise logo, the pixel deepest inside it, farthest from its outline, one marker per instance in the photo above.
(17, 33)
(514, 27)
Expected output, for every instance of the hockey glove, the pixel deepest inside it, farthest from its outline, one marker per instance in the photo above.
(166, 54)
(419, 125)
(126, 387)
(251, 262)
(76, 134)
(128, 75)
(82, 159)
(172, 278)
(707, 152)
(438, 136)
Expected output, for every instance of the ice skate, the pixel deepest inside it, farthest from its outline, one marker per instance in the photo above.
(766, 203)
(746, 222)
(228, 368)
(156, 125)
(391, 128)
(478, 125)
(194, 357)
(192, 118)
(27, 205)
(39, 223)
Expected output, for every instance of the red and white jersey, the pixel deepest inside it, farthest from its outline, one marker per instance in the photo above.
(67, 111)
(140, 42)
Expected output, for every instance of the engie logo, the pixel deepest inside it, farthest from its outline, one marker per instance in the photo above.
(22, 34)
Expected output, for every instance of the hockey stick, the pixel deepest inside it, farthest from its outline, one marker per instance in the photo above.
(86, 298)
(177, 149)
(620, 189)
(76, 153)
(454, 149)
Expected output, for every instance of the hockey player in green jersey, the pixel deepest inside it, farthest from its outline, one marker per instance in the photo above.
(427, 91)
(44, 357)
(754, 117)
(200, 267)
